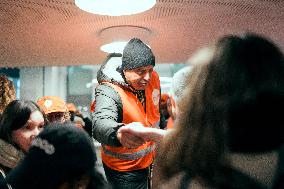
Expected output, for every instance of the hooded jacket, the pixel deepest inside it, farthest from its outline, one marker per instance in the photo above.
(108, 114)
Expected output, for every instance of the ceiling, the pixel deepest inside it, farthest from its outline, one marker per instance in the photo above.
(57, 33)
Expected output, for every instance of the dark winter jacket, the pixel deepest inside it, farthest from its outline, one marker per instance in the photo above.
(107, 116)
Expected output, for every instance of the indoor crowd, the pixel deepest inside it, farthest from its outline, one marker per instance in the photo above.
(219, 127)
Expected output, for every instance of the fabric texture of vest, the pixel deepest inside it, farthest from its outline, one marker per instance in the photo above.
(124, 159)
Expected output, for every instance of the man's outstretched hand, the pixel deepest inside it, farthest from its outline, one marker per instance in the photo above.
(136, 131)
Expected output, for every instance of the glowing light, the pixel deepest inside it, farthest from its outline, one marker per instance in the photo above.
(114, 47)
(115, 7)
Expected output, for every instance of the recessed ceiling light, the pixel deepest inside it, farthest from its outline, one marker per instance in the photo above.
(115, 7)
(114, 47)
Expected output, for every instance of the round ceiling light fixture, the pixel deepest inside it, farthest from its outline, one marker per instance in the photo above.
(114, 47)
(115, 7)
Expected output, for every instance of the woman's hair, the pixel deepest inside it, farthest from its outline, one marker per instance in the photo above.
(15, 116)
(234, 104)
(7, 92)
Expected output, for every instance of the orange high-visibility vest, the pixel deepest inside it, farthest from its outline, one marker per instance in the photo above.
(124, 159)
(170, 123)
(92, 106)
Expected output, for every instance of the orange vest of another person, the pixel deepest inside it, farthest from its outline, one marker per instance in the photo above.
(124, 159)
(170, 123)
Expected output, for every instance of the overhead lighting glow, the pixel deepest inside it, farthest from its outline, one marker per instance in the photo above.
(114, 47)
(115, 7)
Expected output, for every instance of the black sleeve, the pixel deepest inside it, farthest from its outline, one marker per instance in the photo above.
(163, 123)
(88, 125)
(107, 116)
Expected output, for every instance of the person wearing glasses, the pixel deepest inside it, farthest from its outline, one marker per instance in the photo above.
(54, 108)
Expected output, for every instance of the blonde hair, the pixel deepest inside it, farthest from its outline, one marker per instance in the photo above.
(7, 92)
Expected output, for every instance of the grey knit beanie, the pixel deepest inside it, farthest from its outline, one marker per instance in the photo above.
(137, 54)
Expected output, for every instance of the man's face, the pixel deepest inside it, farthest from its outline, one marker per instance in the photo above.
(56, 117)
(138, 78)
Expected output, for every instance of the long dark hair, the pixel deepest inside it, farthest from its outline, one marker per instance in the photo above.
(15, 116)
(234, 104)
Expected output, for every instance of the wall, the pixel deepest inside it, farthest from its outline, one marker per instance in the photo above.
(41, 81)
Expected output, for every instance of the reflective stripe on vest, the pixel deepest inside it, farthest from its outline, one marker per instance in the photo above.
(130, 156)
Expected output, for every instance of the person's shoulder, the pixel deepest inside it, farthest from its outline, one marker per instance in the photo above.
(104, 86)
(105, 89)
(105, 92)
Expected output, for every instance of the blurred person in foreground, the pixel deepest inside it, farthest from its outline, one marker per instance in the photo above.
(230, 129)
(229, 132)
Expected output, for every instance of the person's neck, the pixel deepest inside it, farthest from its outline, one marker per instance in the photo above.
(260, 166)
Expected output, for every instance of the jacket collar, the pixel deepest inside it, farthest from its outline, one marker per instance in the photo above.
(110, 71)
(9, 155)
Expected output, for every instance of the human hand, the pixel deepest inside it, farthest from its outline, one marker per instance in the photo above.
(129, 140)
(145, 133)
